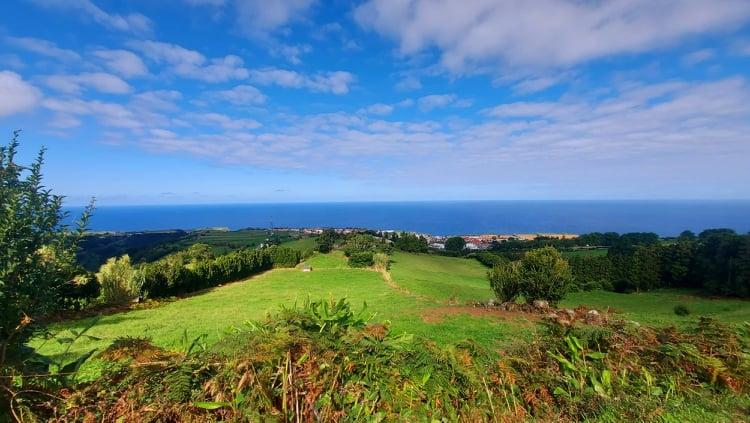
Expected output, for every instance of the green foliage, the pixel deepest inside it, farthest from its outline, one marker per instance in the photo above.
(181, 273)
(544, 275)
(681, 310)
(327, 240)
(361, 259)
(200, 252)
(324, 361)
(116, 284)
(360, 243)
(284, 256)
(505, 281)
(591, 272)
(489, 258)
(455, 244)
(410, 243)
(541, 274)
(37, 252)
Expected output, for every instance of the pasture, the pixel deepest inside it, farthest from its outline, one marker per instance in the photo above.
(422, 294)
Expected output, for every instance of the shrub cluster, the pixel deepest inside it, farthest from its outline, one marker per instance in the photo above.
(324, 362)
(542, 274)
(716, 260)
(180, 274)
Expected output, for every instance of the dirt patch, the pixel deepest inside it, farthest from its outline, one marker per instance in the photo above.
(438, 314)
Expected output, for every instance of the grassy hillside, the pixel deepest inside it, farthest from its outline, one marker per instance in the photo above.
(441, 278)
(417, 298)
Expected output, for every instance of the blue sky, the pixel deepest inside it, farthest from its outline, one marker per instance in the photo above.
(212, 101)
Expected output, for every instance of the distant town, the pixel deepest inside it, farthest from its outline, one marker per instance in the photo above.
(473, 242)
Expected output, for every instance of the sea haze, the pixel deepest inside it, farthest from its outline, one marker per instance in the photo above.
(440, 218)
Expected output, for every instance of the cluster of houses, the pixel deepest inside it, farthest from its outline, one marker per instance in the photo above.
(473, 242)
(484, 241)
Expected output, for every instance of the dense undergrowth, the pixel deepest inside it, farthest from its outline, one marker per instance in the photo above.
(321, 361)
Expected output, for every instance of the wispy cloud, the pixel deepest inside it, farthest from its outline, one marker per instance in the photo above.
(100, 81)
(133, 22)
(337, 82)
(517, 34)
(43, 47)
(192, 64)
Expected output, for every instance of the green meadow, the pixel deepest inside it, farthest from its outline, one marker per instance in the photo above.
(421, 294)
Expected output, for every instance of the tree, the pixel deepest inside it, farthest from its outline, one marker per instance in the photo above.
(544, 275)
(361, 259)
(410, 243)
(359, 243)
(327, 240)
(37, 250)
(455, 244)
(116, 281)
(505, 281)
(199, 252)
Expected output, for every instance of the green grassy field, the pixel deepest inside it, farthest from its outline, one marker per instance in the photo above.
(304, 245)
(416, 299)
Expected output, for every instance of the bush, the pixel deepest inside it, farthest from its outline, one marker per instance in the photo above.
(505, 281)
(545, 275)
(455, 244)
(115, 281)
(410, 243)
(363, 259)
(681, 310)
(284, 256)
(542, 274)
(359, 243)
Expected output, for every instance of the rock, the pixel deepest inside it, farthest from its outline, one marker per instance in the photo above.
(570, 313)
(541, 304)
(491, 302)
(593, 316)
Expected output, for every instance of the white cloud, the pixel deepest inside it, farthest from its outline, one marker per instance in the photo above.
(160, 100)
(108, 114)
(409, 83)
(699, 56)
(122, 62)
(337, 82)
(379, 109)
(435, 101)
(239, 95)
(543, 33)
(192, 64)
(16, 95)
(292, 53)
(259, 18)
(100, 81)
(382, 109)
(134, 22)
(43, 47)
(223, 121)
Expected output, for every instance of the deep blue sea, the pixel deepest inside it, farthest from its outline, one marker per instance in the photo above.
(439, 218)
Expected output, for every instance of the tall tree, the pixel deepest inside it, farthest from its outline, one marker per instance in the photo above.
(37, 251)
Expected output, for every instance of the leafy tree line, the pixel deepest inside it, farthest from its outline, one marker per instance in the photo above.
(716, 260)
(191, 270)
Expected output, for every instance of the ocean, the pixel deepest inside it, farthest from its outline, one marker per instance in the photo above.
(666, 218)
